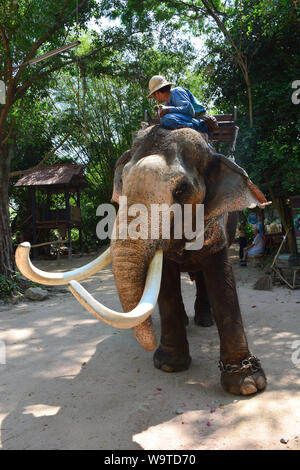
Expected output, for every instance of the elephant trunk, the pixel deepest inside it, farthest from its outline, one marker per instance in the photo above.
(130, 262)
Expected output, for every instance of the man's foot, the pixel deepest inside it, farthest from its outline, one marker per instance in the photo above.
(154, 121)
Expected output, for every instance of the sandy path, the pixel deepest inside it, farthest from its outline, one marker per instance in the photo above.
(71, 382)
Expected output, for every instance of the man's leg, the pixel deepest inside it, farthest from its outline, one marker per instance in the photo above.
(174, 121)
(177, 121)
(242, 246)
(243, 261)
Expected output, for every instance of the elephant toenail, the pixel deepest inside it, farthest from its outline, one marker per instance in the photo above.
(260, 383)
(248, 387)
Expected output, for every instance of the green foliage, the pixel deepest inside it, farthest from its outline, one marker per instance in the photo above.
(249, 232)
(101, 103)
(7, 286)
(100, 95)
(109, 112)
(267, 33)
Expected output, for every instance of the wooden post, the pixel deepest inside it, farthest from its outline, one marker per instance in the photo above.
(48, 206)
(262, 214)
(68, 221)
(58, 254)
(80, 229)
(34, 228)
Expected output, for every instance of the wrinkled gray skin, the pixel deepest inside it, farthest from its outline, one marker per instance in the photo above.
(177, 166)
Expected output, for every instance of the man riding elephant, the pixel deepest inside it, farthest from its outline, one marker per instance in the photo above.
(182, 109)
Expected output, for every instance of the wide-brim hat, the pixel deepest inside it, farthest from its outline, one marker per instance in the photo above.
(157, 82)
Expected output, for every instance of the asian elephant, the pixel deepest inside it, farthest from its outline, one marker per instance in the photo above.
(166, 167)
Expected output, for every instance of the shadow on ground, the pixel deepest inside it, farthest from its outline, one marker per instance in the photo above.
(71, 382)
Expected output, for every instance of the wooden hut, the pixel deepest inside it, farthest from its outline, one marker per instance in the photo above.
(66, 179)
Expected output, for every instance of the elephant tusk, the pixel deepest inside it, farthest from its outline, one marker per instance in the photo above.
(140, 313)
(57, 279)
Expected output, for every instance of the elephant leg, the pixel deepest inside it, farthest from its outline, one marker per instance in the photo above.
(172, 354)
(203, 316)
(241, 372)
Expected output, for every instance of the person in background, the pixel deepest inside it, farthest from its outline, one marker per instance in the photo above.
(242, 239)
(260, 225)
(255, 249)
(181, 108)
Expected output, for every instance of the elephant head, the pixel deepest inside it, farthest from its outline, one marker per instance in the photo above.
(162, 167)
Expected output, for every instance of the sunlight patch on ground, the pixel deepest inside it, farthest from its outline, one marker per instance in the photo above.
(17, 334)
(2, 418)
(157, 437)
(41, 410)
(245, 423)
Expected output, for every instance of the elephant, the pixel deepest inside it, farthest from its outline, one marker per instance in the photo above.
(166, 167)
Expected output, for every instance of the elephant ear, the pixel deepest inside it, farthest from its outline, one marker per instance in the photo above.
(229, 189)
(121, 162)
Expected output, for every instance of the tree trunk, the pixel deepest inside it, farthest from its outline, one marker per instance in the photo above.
(285, 217)
(250, 103)
(6, 251)
(287, 222)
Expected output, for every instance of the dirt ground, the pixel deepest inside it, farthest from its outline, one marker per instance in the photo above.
(72, 382)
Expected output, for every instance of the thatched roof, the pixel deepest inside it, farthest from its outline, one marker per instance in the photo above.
(65, 176)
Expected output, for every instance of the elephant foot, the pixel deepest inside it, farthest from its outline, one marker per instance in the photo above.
(171, 361)
(245, 379)
(203, 318)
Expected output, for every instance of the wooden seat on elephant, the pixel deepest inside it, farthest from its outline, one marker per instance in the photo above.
(227, 131)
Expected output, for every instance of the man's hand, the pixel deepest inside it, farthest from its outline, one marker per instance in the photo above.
(163, 110)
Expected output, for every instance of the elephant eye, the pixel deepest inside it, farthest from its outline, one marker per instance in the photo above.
(181, 189)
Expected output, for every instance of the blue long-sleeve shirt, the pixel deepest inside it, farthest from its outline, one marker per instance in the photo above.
(182, 101)
(182, 108)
